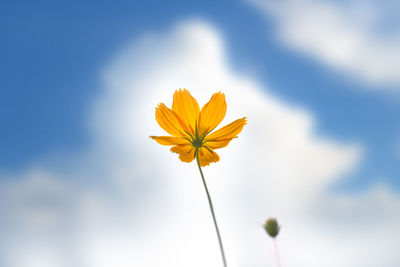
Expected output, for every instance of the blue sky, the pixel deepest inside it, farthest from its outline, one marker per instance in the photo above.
(81, 184)
(52, 52)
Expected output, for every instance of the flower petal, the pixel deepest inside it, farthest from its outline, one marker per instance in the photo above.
(186, 152)
(212, 114)
(206, 156)
(223, 136)
(170, 121)
(187, 108)
(229, 131)
(215, 144)
(169, 140)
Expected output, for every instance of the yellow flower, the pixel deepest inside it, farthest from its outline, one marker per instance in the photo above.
(191, 128)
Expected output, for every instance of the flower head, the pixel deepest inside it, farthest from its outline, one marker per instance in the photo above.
(272, 227)
(191, 129)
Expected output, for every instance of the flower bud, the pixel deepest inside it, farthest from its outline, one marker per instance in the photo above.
(272, 227)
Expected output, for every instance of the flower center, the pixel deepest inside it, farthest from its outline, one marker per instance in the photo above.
(197, 142)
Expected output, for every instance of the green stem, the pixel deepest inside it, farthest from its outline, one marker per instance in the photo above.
(212, 210)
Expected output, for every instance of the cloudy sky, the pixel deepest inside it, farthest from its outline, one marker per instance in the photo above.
(81, 184)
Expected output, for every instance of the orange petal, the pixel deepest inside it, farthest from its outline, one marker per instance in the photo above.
(212, 114)
(170, 121)
(186, 107)
(206, 156)
(215, 144)
(229, 131)
(169, 140)
(186, 152)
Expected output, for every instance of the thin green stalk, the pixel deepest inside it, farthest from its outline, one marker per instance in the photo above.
(212, 210)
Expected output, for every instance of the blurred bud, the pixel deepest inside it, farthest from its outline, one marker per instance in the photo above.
(272, 227)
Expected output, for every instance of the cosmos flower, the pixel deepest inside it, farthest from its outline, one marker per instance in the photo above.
(191, 129)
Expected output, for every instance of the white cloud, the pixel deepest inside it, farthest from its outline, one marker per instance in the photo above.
(128, 201)
(360, 38)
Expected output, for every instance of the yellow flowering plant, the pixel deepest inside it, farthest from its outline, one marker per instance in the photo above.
(192, 134)
(191, 128)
